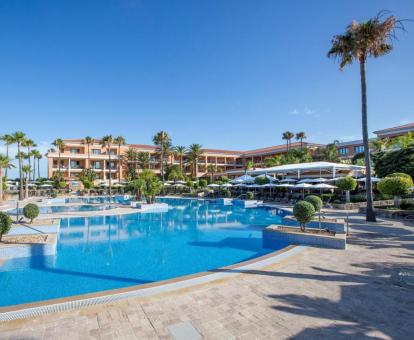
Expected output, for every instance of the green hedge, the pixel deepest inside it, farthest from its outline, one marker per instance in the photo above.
(347, 183)
(304, 213)
(395, 186)
(388, 162)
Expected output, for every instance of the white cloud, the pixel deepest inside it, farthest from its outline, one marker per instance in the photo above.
(305, 112)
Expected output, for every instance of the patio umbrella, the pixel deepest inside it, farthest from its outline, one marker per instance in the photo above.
(373, 179)
(303, 186)
(226, 185)
(313, 180)
(324, 186)
(243, 179)
(288, 180)
(166, 184)
(213, 185)
(286, 185)
(270, 178)
(270, 185)
(179, 182)
(45, 186)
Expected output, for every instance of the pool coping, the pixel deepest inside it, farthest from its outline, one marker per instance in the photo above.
(34, 309)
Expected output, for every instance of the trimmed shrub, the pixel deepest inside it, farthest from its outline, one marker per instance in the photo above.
(395, 186)
(5, 224)
(400, 174)
(315, 201)
(31, 211)
(202, 183)
(261, 180)
(407, 205)
(347, 183)
(249, 195)
(54, 193)
(227, 193)
(304, 213)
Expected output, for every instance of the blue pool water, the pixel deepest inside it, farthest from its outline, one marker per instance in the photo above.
(107, 252)
(70, 208)
(119, 199)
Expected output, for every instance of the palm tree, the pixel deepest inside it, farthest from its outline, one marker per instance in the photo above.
(288, 137)
(163, 143)
(194, 153)
(18, 138)
(26, 170)
(211, 169)
(106, 143)
(301, 136)
(8, 140)
(248, 166)
(372, 38)
(5, 163)
(119, 141)
(143, 159)
(179, 151)
(88, 141)
(29, 144)
(130, 157)
(37, 156)
(60, 145)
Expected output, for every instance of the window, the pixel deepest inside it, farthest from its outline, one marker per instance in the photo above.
(96, 165)
(359, 149)
(343, 151)
(74, 165)
(96, 151)
(112, 152)
(75, 151)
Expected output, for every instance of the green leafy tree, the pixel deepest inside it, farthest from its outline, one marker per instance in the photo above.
(5, 224)
(87, 178)
(315, 201)
(119, 141)
(212, 170)
(130, 157)
(163, 142)
(143, 159)
(194, 153)
(261, 180)
(272, 161)
(304, 213)
(300, 136)
(361, 41)
(248, 166)
(107, 142)
(249, 195)
(19, 138)
(396, 185)
(5, 163)
(174, 173)
(388, 162)
(151, 185)
(31, 211)
(202, 183)
(287, 136)
(347, 184)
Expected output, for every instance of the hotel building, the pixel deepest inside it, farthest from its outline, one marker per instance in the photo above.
(74, 156)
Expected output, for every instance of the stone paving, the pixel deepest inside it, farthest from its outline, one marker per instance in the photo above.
(318, 293)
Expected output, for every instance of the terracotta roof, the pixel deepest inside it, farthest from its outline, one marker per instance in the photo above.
(225, 152)
(395, 128)
(276, 148)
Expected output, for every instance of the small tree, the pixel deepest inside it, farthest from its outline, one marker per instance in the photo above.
(249, 195)
(347, 184)
(202, 183)
(5, 224)
(395, 186)
(304, 213)
(315, 201)
(31, 211)
(227, 193)
(261, 180)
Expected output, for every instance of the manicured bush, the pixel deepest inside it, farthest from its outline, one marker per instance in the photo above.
(227, 193)
(315, 201)
(202, 183)
(5, 224)
(395, 186)
(347, 183)
(249, 195)
(261, 180)
(31, 211)
(407, 205)
(304, 213)
(400, 174)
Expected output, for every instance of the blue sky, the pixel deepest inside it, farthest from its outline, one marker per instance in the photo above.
(222, 73)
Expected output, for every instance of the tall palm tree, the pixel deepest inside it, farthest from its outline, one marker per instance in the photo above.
(179, 151)
(120, 141)
(29, 144)
(211, 169)
(163, 142)
(37, 156)
(5, 163)
(88, 141)
(288, 137)
(301, 136)
(362, 40)
(143, 159)
(18, 138)
(194, 153)
(26, 170)
(59, 144)
(130, 158)
(7, 140)
(106, 143)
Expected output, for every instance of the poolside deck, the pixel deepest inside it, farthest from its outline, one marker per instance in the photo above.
(319, 293)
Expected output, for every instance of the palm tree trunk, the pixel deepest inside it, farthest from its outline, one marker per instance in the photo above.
(38, 168)
(110, 174)
(1, 183)
(7, 155)
(370, 214)
(30, 166)
(20, 173)
(27, 185)
(89, 156)
(59, 160)
(119, 163)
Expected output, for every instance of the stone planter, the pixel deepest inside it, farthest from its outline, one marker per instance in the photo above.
(38, 248)
(332, 224)
(274, 234)
(396, 214)
(354, 206)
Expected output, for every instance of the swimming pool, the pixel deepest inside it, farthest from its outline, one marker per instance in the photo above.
(107, 252)
(119, 199)
(55, 209)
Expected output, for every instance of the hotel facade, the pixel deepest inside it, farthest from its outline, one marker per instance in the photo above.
(76, 157)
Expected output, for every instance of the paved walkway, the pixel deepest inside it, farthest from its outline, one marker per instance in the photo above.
(319, 293)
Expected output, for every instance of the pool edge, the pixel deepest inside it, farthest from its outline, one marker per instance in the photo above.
(34, 309)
